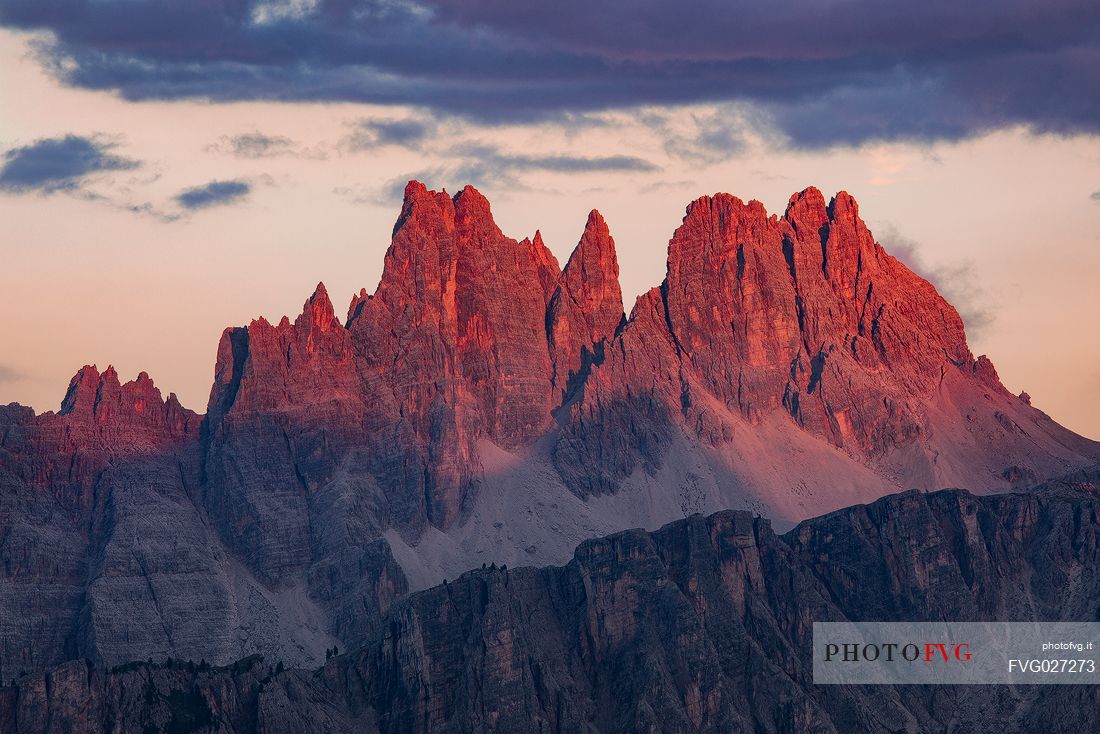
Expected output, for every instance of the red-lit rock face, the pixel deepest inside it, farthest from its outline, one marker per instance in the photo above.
(785, 363)
(453, 345)
(808, 314)
(472, 336)
(135, 408)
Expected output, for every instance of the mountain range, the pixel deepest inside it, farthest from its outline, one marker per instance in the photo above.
(485, 406)
(702, 626)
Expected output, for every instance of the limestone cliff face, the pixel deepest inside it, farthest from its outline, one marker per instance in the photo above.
(483, 404)
(454, 341)
(704, 625)
(807, 317)
(81, 492)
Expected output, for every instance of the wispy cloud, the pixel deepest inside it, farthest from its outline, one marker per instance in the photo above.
(214, 193)
(258, 145)
(50, 165)
(704, 137)
(487, 165)
(958, 282)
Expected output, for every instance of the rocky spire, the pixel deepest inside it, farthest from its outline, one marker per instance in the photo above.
(546, 264)
(587, 306)
(80, 396)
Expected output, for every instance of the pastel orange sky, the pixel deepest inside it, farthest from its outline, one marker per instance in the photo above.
(1006, 222)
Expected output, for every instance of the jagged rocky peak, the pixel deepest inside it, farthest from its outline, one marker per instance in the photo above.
(95, 398)
(807, 315)
(765, 290)
(420, 205)
(807, 209)
(731, 302)
(456, 335)
(478, 294)
(264, 367)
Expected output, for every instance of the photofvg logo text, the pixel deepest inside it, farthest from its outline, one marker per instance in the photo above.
(928, 652)
(955, 652)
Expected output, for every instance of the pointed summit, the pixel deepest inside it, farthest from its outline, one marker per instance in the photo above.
(592, 275)
(587, 307)
(80, 396)
(458, 322)
(318, 311)
(414, 189)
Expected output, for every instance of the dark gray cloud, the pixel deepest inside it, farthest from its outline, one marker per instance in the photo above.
(408, 132)
(59, 164)
(1095, 196)
(215, 193)
(959, 283)
(821, 73)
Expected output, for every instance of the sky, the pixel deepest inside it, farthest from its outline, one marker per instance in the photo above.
(168, 169)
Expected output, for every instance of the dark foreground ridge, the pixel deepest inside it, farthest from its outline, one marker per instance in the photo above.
(703, 625)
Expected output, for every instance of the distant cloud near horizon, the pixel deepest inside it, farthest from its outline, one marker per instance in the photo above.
(957, 283)
(10, 374)
(49, 165)
(215, 193)
(817, 75)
